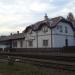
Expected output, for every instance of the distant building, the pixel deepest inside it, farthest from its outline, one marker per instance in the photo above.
(12, 41)
(49, 33)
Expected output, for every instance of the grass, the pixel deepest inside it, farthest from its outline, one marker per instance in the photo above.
(25, 69)
(22, 69)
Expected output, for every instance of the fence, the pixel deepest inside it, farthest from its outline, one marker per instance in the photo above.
(43, 56)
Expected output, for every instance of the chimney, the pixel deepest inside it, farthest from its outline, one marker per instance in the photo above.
(70, 17)
(17, 32)
(10, 34)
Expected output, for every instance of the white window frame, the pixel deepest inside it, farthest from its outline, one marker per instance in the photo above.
(45, 43)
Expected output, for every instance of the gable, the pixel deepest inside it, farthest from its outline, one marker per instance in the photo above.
(68, 23)
(63, 28)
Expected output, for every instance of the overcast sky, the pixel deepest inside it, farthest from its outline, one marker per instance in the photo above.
(17, 14)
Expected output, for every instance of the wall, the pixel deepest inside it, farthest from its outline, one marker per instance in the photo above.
(19, 43)
(38, 37)
(3, 46)
(59, 37)
(44, 36)
(30, 36)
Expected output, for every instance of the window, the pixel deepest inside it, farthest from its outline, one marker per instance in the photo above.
(60, 28)
(45, 29)
(66, 30)
(57, 27)
(30, 43)
(30, 31)
(21, 43)
(14, 43)
(74, 34)
(45, 42)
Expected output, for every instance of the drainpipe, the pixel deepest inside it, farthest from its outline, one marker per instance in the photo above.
(37, 38)
(51, 39)
(26, 43)
(47, 20)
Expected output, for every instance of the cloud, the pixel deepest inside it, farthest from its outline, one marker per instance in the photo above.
(17, 14)
(63, 8)
(41, 7)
